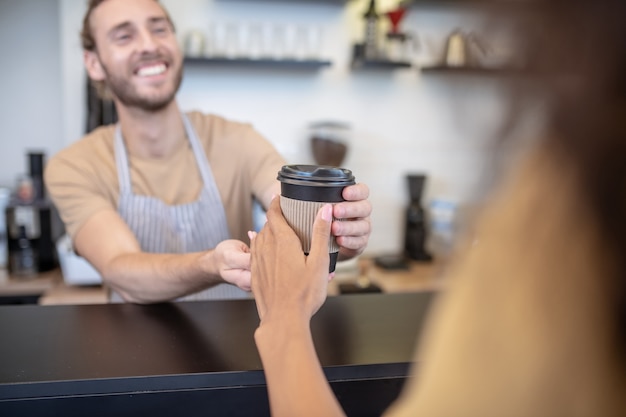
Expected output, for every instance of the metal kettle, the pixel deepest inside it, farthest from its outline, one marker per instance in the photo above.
(456, 50)
(463, 50)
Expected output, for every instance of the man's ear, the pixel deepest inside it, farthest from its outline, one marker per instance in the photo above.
(93, 66)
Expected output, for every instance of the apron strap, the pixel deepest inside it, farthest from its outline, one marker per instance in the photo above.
(121, 160)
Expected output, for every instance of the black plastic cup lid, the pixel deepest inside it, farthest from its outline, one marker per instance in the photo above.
(318, 175)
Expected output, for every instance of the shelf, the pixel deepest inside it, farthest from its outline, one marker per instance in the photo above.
(417, 3)
(443, 69)
(379, 64)
(265, 63)
(341, 2)
(488, 4)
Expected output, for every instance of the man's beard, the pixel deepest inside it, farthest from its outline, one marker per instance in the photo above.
(127, 94)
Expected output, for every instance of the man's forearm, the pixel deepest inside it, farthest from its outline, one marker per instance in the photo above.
(151, 277)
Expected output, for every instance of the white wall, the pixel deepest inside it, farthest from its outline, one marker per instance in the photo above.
(30, 92)
(402, 121)
(73, 77)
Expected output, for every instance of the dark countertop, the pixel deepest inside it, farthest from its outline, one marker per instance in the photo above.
(180, 358)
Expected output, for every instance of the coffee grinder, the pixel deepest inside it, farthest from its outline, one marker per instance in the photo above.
(32, 224)
(415, 227)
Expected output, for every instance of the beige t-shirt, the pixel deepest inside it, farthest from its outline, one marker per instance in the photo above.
(82, 179)
(525, 327)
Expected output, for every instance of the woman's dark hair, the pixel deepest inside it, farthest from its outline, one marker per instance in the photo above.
(576, 54)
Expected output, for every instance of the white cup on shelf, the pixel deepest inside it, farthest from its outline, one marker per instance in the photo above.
(232, 40)
(255, 41)
(195, 43)
(278, 45)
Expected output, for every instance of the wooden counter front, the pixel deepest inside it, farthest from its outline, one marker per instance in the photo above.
(416, 277)
(27, 290)
(194, 358)
(48, 288)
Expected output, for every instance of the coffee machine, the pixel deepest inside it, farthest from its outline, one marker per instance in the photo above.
(415, 232)
(32, 224)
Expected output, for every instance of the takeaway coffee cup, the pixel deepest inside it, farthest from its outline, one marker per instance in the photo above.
(304, 190)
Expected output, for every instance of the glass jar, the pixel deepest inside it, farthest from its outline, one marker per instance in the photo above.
(329, 142)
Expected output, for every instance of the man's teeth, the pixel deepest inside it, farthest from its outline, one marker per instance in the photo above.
(153, 70)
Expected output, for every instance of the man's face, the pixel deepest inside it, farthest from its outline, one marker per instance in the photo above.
(137, 54)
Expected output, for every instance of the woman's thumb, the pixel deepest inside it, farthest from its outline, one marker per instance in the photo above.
(321, 230)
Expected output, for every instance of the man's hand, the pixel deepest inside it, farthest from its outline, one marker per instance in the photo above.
(354, 228)
(353, 231)
(232, 260)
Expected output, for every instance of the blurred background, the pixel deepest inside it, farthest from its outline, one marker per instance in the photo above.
(425, 96)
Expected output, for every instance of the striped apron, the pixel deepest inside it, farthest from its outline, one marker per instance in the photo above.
(191, 227)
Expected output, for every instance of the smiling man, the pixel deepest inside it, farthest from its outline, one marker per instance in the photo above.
(161, 203)
(157, 71)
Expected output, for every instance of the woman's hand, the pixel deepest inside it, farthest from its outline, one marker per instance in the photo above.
(285, 282)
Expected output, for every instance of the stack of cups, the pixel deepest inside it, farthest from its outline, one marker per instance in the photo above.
(304, 190)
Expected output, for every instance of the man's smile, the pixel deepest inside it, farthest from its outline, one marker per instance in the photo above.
(151, 70)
